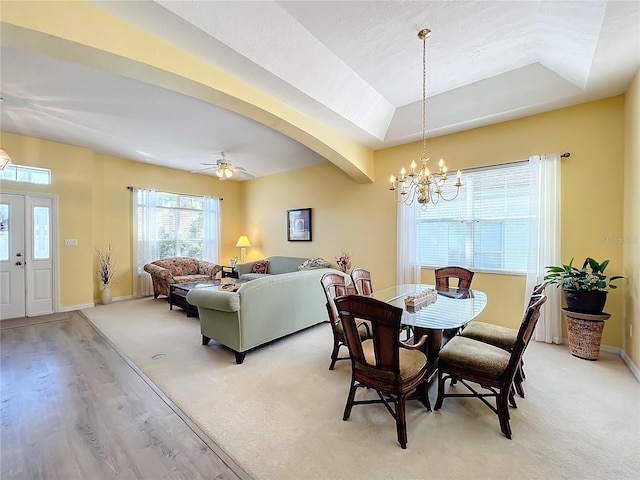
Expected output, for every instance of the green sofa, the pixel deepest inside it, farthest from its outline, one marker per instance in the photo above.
(261, 310)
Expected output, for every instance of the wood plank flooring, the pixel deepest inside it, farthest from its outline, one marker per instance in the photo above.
(72, 408)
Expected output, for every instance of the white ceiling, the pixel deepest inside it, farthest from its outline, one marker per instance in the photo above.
(353, 65)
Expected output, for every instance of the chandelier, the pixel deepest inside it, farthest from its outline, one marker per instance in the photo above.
(5, 159)
(423, 185)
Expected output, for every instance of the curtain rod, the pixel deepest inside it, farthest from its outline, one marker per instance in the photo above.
(130, 187)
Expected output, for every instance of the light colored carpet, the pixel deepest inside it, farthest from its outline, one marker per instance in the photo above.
(279, 415)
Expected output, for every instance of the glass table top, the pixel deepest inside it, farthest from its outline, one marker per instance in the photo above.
(453, 308)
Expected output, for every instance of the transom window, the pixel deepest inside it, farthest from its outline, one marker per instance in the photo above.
(19, 173)
(487, 228)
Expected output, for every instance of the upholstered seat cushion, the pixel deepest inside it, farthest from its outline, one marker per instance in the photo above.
(411, 361)
(501, 337)
(363, 328)
(191, 278)
(472, 354)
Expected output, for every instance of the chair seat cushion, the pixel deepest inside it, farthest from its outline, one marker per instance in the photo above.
(471, 354)
(411, 361)
(364, 328)
(501, 337)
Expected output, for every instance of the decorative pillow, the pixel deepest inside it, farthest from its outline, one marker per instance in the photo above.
(260, 266)
(317, 262)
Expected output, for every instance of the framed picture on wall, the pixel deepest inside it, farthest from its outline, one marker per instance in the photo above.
(299, 225)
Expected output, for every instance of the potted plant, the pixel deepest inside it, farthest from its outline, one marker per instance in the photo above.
(585, 289)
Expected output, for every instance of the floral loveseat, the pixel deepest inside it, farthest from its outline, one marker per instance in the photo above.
(170, 270)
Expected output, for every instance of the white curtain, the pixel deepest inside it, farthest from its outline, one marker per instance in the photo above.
(408, 261)
(545, 227)
(145, 233)
(211, 234)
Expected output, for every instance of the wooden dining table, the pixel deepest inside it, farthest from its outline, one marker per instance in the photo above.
(454, 308)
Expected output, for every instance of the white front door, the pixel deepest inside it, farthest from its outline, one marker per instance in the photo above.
(26, 255)
(12, 260)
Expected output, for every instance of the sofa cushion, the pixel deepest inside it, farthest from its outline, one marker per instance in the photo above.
(260, 266)
(179, 265)
(278, 265)
(191, 278)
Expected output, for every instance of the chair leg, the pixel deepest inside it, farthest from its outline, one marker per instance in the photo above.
(517, 381)
(423, 394)
(352, 395)
(503, 412)
(440, 391)
(334, 354)
(401, 421)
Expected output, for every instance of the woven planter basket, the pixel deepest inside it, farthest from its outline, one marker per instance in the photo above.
(585, 333)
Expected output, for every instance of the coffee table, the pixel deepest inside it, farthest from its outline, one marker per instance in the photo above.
(178, 294)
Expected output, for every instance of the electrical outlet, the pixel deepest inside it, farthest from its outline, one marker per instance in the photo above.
(117, 283)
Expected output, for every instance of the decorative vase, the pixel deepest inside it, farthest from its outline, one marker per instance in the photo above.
(585, 301)
(106, 297)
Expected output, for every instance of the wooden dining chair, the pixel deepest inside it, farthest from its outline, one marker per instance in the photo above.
(335, 285)
(383, 363)
(361, 280)
(445, 274)
(501, 337)
(466, 360)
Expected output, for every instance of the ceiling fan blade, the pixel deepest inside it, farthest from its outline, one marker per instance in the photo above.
(203, 169)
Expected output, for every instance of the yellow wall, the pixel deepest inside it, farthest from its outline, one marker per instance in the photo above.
(361, 219)
(631, 236)
(95, 208)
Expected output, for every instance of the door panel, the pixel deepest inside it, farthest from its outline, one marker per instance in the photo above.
(40, 267)
(12, 257)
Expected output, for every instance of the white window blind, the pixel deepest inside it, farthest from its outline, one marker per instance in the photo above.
(486, 228)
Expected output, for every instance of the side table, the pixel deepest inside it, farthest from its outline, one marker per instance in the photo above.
(229, 272)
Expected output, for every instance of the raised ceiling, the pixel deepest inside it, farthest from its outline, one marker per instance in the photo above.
(355, 66)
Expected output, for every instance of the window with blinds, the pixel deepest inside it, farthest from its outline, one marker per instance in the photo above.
(486, 228)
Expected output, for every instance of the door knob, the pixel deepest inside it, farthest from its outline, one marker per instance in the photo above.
(18, 263)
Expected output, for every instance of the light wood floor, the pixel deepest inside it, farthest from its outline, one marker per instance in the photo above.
(73, 408)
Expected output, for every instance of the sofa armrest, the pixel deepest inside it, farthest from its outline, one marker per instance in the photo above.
(159, 272)
(214, 300)
(208, 268)
(242, 268)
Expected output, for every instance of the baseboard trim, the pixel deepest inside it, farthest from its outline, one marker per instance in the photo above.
(630, 364)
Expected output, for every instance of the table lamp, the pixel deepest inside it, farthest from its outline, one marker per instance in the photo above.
(243, 242)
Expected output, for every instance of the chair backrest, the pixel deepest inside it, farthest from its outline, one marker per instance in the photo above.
(361, 279)
(537, 290)
(334, 285)
(384, 364)
(445, 274)
(531, 316)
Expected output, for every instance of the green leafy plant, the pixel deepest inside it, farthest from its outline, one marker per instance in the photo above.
(590, 277)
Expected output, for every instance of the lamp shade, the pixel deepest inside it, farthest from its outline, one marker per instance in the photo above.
(243, 241)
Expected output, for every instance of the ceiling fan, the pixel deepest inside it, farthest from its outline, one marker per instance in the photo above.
(224, 169)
